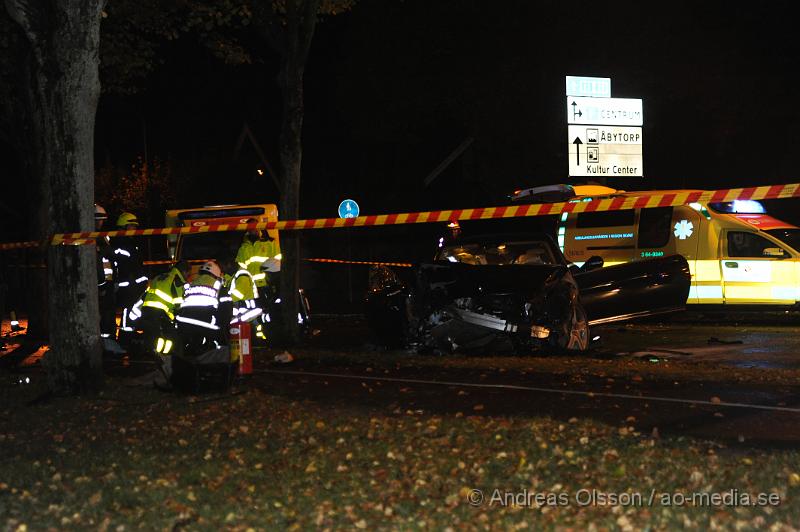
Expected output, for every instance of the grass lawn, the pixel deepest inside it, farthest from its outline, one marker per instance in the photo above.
(135, 458)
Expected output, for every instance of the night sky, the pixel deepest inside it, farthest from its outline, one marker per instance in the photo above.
(394, 86)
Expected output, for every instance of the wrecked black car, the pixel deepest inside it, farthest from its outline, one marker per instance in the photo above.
(517, 293)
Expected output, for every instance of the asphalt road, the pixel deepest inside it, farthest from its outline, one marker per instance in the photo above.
(743, 353)
(722, 379)
(742, 339)
(744, 345)
(642, 406)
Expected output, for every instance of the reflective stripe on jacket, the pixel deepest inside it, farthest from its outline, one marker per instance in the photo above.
(105, 266)
(201, 300)
(243, 292)
(203, 291)
(128, 263)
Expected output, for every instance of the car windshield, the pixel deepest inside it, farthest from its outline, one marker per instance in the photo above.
(219, 246)
(791, 237)
(495, 253)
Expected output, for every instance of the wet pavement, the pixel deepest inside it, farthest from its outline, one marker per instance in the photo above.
(765, 340)
(344, 366)
(638, 405)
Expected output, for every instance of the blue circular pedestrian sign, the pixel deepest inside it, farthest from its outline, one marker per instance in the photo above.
(348, 209)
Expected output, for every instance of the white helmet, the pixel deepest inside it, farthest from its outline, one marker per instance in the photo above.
(212, 268)
(271, 265)
(99, 212)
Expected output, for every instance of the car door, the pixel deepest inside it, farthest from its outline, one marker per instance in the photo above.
(634, 289)
(756, 270)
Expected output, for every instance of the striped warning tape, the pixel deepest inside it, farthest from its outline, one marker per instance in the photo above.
(145, 263)
(335, 261)
(20, 245)
(161, 262)
(617, 202)
(200, 261)
(368, 262)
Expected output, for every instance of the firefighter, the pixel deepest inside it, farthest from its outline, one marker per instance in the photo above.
(155, 312)
(243, 293)
(198, 318)
(105, 277)
(131, 280)
(257, 254)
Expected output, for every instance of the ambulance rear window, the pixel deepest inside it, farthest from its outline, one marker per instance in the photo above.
(655, 227)
(591, 220)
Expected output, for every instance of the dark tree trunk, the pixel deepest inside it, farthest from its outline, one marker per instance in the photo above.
(301, 18)
(64, 38)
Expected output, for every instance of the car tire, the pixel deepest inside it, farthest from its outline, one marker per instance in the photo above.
(575, 336)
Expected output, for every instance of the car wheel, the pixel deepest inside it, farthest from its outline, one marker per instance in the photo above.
(576, 337)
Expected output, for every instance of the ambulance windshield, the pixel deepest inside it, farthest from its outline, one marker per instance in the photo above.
(790, 236)
(212, 245)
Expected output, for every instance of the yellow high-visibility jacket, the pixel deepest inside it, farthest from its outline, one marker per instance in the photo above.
(165, 292)
(242, 286)
(252, 255)
(243, 293)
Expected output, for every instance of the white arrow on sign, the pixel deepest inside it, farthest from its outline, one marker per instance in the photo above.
(604, 111)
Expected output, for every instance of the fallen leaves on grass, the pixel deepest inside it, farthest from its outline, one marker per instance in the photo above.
(269, 462)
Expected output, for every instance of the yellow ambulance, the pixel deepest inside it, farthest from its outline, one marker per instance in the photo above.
(737, 253)
(217, 245)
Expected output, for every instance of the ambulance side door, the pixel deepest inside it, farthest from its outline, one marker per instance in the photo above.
(751, 275)
(693, 236)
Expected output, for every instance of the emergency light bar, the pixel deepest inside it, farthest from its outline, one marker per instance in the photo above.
(739, 207)
(244, 212)
(544, 194)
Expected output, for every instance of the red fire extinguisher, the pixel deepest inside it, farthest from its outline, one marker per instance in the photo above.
(243, 347)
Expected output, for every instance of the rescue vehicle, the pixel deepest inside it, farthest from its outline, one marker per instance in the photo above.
(737, 253)
(197, 248)
(200, 247)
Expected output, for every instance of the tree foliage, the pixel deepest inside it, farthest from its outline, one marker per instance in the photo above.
(146, 188)
(239, 32)
(288, 27)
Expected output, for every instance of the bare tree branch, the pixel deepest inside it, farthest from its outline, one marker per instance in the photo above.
(308, 23)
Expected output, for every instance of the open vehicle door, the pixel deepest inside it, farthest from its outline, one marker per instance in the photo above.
(635, 289)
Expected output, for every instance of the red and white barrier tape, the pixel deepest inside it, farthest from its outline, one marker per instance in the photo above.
(640, 200)
(367, 262)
